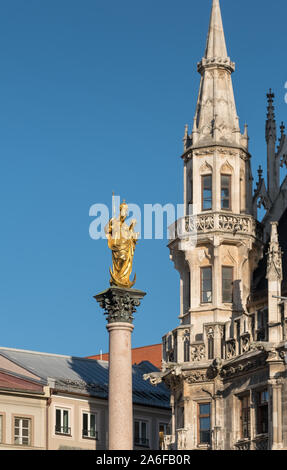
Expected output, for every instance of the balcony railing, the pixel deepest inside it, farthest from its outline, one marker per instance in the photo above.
(90, 434)
(216, 221)
(259, 443)
(141, 441)
(63, 430)
(181, 435)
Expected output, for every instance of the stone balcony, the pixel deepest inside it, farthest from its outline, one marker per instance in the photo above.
(258, 443)
(225, 222)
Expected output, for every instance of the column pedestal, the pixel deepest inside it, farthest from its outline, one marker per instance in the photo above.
(119, 305)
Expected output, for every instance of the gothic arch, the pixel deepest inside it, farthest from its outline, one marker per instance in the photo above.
(226, 168)
(205, 169)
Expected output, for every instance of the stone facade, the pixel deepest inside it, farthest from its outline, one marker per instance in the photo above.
(225, 364)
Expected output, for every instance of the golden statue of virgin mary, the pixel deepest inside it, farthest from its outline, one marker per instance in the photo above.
(122, 240)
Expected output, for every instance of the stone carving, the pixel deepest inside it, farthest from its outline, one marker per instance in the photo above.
(245, 342)
(242, 367)
(181, 439)
(210, 332)
(226, 168)
(260, 443)
(197, 352)
(155, 378)
(224, 222)
(242, 445)
(199, 223)
(119, 303)
(205, 168)
(230, 349)
(232, 223)
(196, 377)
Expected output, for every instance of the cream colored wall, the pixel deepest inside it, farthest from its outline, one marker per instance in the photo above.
(23, 406)
(153, 416)
(77, 406)
(38, 408)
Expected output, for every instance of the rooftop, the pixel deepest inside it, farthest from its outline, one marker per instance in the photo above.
(82, 375)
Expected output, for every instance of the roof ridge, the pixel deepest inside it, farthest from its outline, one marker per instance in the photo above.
(3, 349)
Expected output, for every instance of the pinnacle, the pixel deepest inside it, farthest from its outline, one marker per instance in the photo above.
(216, 45)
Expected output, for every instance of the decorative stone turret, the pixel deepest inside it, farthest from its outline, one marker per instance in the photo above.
(274, 275)
(273, 162)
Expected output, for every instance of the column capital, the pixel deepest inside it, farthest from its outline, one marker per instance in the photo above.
(119, 303)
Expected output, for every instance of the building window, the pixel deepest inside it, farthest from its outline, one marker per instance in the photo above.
(186, 350)
(63, 422)
(210, 344)
(206, 285)
(180, 417)
(163, 430)
(204, 423)
(262, 325)
(262, 412)
(22, 431)
(90, 426)
(206, 192)
(226, 192)
(245, 417)
(227, 285)
(141, 433)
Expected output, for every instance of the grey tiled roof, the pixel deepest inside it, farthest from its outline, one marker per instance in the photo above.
(89, 375)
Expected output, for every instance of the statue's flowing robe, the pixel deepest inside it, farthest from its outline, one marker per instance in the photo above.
(122, 244)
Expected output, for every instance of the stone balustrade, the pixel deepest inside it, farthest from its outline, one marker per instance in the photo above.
(217, 221)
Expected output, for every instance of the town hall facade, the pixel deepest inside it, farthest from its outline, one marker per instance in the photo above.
(225, 364)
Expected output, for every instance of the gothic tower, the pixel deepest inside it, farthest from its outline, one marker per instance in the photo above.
(215, 270)
(225, 364)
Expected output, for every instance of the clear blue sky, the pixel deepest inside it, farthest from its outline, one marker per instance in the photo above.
(94, 96)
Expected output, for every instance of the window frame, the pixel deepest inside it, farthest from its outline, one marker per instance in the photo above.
(231, 268)
(229, 208)
(209, 175)
(22, 418)
(96, 432)
(243, 420)
(203, 416)
(202, 301)
(260, 405)
(141, 441)
(61, 432)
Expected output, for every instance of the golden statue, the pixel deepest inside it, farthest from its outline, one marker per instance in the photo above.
(122, 240)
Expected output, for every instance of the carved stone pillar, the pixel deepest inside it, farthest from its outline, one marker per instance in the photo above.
(275, 433)
(274, 276)
(119, 305)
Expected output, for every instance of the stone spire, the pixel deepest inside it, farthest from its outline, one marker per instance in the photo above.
(216, 117)
(273, 163)
(216, 45)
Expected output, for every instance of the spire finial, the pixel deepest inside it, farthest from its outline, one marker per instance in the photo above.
(216, 45)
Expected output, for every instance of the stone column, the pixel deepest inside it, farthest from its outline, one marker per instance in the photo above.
(275, 387)
(119, 305)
